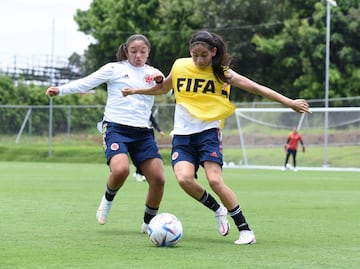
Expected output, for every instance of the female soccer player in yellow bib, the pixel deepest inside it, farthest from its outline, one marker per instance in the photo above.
(201, 85)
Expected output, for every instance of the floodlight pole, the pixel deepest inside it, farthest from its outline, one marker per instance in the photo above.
(52, 83)
(327, 61)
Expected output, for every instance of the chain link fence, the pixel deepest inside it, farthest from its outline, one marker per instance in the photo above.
(29, 124)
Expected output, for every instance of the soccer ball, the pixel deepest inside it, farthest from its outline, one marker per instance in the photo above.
(165, 230)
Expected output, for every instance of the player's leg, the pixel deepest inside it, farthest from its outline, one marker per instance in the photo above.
(145, 155)
(287, 158)
(294, 158)
(209, 145)
(186, 163)
(228, 198)
(117, 159)
(185, 166)
(119, 171)
(185, 176)
(154, 173)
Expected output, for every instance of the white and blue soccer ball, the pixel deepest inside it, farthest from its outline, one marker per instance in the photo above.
(165, 230)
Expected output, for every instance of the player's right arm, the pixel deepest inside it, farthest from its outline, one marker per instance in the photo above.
(287, 143)
(85, 84)
(160, 88)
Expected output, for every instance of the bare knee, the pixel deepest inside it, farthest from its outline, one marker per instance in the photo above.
(183, 182)
(119, 167)
(120, 173)
(157, 182)
(153, 171)
(184, 178)
(216, 184)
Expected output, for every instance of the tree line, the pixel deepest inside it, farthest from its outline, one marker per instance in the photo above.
(279, 43)
(16, 99)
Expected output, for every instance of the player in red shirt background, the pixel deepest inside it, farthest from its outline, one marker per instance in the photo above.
(291, 147)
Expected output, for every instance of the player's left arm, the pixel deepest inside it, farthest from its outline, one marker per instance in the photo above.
(239, 81)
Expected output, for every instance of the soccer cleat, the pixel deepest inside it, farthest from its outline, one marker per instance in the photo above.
(103, 211)
(222, 222)
(144, 228)
(139, 177)
(246, 237)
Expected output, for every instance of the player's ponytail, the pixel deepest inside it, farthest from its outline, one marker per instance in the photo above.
(221, 60)
(121, 53)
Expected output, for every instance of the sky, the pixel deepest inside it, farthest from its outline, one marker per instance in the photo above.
(30, 29)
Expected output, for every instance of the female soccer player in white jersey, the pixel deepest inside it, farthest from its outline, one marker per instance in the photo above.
(201, 87)
(125, 125)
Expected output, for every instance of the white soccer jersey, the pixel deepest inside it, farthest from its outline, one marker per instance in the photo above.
(132, 110)
(186, 124)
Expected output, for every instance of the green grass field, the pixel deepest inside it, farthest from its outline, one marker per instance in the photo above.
(88, 151)
(302, 220)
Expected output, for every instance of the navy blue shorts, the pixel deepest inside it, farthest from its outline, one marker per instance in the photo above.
(197, 148)
(138, 142)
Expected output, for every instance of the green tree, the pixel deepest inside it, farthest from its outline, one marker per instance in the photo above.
(6, 90)
(179, 19)
(238, 21)
(110, 23)
(299, 50)
(22, 94)
(167, 24)
(279, 43)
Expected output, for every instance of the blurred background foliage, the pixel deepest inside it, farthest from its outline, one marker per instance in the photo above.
(278, 43)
